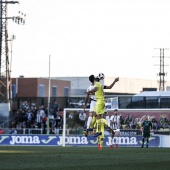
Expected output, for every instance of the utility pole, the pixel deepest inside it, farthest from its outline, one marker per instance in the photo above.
(5, 67)
(162, 73)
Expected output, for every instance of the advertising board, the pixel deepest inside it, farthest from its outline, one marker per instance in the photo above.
(71, 140)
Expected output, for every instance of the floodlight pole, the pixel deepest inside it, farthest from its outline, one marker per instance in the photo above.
(5, 65)
(162, 73)
(49, 87)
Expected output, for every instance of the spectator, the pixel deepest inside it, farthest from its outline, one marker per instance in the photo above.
(42, 111)
(44, 122)
(34, 128)
(55, 108)
(23, 116)
(34, 125)
(17, 116)
(23, 124)
(33, 106)
(82, 118)
(51, 119)
(19, 128)
(39, 119)
(58, 121)
(29, 116)
(52, 130)
(1, 131)
(24, 105)
(13, 131)
(34, 112)
(70, 116)
(70, 119)
(154, 123)
(164, 122)
(128, 121)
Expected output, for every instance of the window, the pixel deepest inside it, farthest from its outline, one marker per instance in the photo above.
(14, 90)
(41, 90)
(54, 91)
(66, 91)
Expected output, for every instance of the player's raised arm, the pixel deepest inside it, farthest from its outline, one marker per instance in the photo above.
(109, 87)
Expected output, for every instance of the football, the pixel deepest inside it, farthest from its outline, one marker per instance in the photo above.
(101, 76)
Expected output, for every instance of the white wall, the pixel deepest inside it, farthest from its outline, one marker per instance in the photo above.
(129, 85)
(125, 85)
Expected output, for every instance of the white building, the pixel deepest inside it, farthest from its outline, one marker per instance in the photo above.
(124, 86)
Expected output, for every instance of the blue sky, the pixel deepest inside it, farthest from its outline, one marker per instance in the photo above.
(83, 37)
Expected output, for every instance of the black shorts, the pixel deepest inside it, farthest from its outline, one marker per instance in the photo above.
(146, 134)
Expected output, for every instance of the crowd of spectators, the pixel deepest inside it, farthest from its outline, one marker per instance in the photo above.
(134, 123)
(35, 118)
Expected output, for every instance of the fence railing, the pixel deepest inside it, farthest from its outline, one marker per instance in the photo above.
(6, 124)
(79, 131)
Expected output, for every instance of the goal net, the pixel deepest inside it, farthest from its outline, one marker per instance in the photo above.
(75, 120)
(72, 121)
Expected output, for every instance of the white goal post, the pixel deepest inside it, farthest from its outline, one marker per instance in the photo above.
(64, 121)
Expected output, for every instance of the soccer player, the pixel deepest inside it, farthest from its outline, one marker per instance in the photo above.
(100, 98)
(115, 126)
(146, 129)
(92, 104)
(100, 125)
(92, 115)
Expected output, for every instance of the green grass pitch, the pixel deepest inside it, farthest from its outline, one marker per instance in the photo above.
(83, 158)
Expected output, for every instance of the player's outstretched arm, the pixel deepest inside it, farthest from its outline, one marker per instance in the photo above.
(109, 87)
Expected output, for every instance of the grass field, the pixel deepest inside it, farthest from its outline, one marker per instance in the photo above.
(82, 158)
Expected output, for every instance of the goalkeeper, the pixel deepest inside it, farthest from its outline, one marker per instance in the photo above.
(146, 128)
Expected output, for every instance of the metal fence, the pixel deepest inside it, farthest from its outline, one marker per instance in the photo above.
(78, 131)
